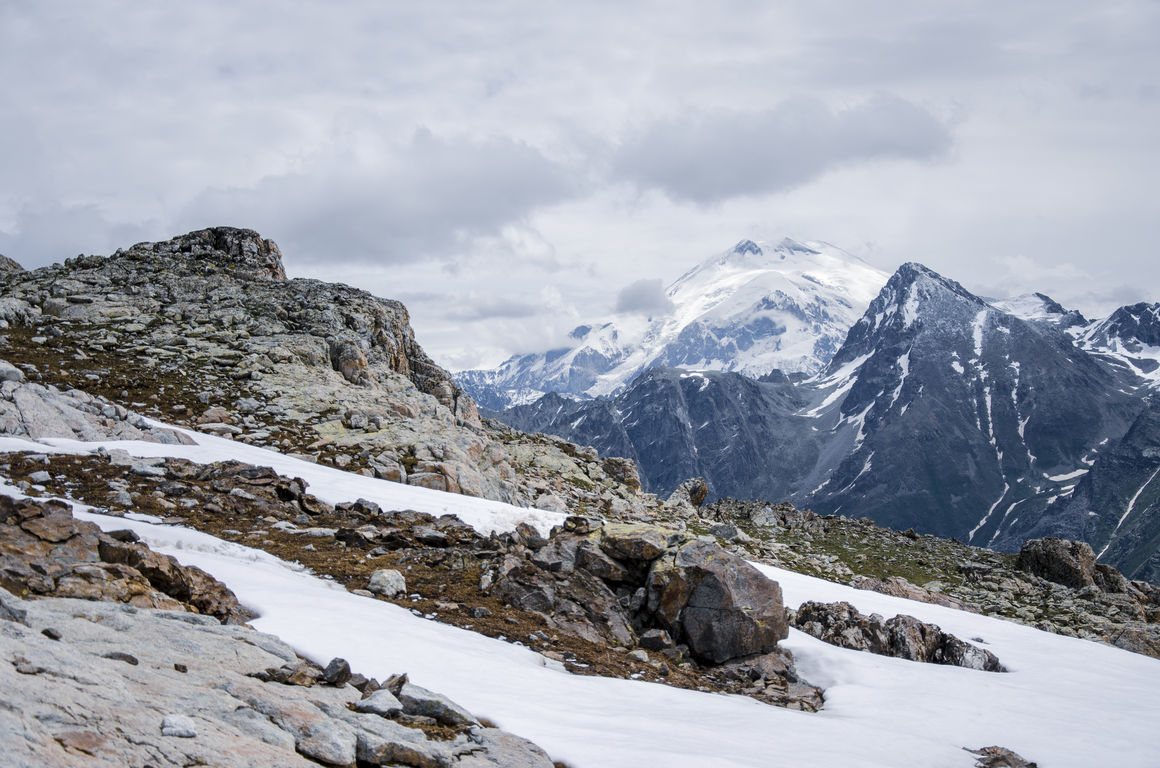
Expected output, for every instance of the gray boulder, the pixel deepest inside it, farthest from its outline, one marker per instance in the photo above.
(417, 700)
(388, 583)
(717, 603)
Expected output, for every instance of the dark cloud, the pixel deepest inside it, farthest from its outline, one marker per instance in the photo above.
(426, 198)
(646, 297)
(708, 157)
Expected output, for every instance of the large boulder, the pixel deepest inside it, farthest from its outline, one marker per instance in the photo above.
(1070, 563)
(717, 603)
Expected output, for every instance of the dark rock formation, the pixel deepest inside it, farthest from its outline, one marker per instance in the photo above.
(613, 582)
(45, 551)
(903, 636)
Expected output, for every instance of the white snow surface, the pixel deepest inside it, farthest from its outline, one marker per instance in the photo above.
(1065, 702)
(809, 290)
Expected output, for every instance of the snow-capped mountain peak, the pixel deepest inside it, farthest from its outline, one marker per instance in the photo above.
(756, 307)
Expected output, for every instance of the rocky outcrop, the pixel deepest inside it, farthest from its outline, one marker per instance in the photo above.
(45, 551)
(205, 331)
(8, 265)
(241, 253)
(1070, 563)
(903, 636)
(36, 411)
(612, 582)
(101, 684)
(999, 757)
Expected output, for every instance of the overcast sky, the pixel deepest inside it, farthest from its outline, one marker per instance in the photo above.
(508, 169)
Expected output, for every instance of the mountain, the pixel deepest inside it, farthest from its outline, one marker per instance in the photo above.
(1129, 339)
(752, 309)
(941, 411)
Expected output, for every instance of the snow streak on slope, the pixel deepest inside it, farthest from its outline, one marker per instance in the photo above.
(754, 308)
(1128, 511)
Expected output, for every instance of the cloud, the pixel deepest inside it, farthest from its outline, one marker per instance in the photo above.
(709, 157)
(375, 202)
(45, 233)
(473, 309)
(645, 297)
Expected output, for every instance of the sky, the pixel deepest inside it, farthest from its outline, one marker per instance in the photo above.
(510, 170)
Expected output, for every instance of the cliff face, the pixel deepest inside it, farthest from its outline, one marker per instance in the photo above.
(206, 330)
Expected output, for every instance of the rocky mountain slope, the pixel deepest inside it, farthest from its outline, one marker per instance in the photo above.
(205, 330)
(940, 412)
(754, 308)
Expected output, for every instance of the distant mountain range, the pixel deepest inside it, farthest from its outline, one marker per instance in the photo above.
(991, 421)
(752, 309)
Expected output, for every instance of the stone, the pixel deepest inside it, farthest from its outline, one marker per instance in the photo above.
(178, 726)
(337, 672)
(388, 583)
(417, 700)
(381, 702)
(501, 749)
(655, 640)
(903, 636)
(639, 543)
(1070, 563)
(717, 603)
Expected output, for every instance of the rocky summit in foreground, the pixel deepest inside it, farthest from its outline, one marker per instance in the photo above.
(206, 331)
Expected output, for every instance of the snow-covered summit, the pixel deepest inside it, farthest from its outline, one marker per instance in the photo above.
(1130, 337)
(753, 308)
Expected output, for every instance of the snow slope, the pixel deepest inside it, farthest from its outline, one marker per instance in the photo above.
(1065, 702)
(751, 309)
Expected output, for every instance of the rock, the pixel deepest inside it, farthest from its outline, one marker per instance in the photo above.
(1070, 563)
(717, 603)
(9, 372)
(178, 726)
(337, 672)
(655, 640)
(381, 702)
(8, 265)
(501, 749)
(420, 701)
(638, 543)
(388, 583)
(903, 636)
(639, 655)
(692, 492)
(999, 757)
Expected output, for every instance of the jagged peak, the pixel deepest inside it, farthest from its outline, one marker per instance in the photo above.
(241, 252)
(747, 247)
(900, 306)
(1138, 322)
(8, 265)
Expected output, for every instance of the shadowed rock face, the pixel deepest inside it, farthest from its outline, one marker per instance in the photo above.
(721, 605)
(903, 637)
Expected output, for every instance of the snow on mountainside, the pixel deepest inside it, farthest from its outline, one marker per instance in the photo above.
(942, 411)
(754, 308)
(1130, 338)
